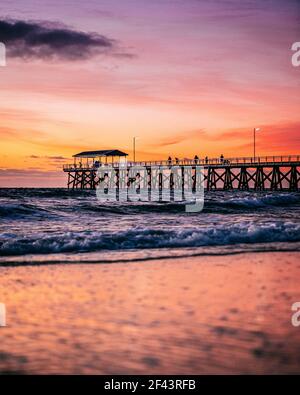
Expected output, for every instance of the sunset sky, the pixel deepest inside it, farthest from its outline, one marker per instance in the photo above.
(185, 76)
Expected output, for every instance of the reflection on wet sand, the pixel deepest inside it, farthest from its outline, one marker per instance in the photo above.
(224, 314)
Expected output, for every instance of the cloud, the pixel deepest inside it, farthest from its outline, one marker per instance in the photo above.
(52, 158)
(179, 138)
(57, 158)
(7, 132)
(35, 172)
(281, 134)
(44, 40)
(282, 138)
(26, 134)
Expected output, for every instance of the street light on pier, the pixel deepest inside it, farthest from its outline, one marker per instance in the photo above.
(134, 144)
(254, 142)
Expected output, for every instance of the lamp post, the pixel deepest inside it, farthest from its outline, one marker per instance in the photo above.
(254, 142)
(134, 138)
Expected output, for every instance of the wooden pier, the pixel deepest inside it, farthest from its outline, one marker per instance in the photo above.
(275, 173)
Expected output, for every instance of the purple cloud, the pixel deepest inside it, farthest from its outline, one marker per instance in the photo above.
(25, 39)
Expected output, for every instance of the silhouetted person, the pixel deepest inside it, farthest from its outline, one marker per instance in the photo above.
(196, 159)
(177, 161)
(221, 158)
(169, 160)
(206, 159)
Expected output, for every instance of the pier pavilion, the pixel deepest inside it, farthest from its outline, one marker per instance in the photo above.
(92, 157)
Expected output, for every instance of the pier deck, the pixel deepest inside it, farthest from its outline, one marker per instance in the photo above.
(243, 173)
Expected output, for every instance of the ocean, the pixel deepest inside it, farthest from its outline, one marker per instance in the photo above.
(145, 288)
(60, 225)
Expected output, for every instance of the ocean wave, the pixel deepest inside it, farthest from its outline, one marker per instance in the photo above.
(59, 208)
(54, 203)
(17, 210)
(262, 200)
(19, 193)
(144, 255)
(148, 238)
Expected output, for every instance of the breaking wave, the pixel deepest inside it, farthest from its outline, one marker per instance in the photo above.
(18, 210)
(137, 238)
(58, 221)
(56, 203)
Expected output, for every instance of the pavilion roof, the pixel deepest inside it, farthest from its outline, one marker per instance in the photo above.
(95, 154)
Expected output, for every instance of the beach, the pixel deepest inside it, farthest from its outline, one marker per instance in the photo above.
(194, 315)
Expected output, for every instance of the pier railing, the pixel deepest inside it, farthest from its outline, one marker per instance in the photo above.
(235, 161)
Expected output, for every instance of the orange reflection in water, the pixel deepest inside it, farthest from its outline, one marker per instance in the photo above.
(222, 314)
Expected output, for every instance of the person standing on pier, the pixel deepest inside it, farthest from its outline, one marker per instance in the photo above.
(196, 159)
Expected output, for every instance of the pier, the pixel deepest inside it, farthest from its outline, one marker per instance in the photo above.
(275, 173)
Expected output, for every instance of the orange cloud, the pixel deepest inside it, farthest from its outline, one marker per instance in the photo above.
(282, 138)
(179, 138)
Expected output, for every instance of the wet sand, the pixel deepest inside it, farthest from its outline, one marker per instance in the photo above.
(213, 314)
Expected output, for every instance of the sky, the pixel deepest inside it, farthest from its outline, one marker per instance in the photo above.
(186, 77)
